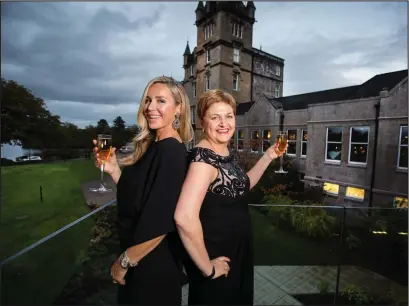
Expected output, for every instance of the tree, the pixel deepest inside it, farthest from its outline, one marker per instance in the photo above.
(24, 117)
(119, 124)
(103, 126)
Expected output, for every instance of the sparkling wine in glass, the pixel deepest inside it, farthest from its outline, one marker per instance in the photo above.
(282, 139)
(104, 145)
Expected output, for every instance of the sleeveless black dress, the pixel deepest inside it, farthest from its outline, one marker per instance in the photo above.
(227, 232)
(147, 194)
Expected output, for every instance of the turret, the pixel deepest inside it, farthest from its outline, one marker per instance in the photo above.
(186, 55)
(251, 9)
(200, 10)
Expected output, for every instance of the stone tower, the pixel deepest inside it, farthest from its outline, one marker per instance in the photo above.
(224, 47)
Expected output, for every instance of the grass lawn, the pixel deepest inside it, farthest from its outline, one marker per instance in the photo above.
(40, 274)
(273, 246)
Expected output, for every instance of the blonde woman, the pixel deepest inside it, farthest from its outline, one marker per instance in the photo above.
(148, 270)
(212, 219)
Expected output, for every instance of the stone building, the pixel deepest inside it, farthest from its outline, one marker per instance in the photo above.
(353, 140)
(225, 58)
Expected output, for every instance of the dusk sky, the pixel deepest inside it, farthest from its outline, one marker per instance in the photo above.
(92, 60)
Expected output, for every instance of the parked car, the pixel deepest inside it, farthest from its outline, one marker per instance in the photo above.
(27, 158)
(126, 149)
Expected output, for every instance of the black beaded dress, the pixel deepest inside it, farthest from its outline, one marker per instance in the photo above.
(227, 232)
(147, 194)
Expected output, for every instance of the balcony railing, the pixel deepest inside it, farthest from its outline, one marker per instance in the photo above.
(311, 255)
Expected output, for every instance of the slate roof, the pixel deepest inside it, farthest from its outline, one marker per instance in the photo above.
(370, 88)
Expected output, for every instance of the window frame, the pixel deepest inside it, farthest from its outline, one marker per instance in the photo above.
(207, 82)
(232, 141)
(237, 29)
(350, 145)
(208, 31)
(278, 70)
(193, 113)
(330, 193)
(395, 200)
(400, 146)
(208, 56)
(353, 198)
(326, 145)
(304, 141)
(268, 139)
(257, 139)
(236, 50)
(292, 141)
(236, 78)
(277, 90)
(238, 138)
(194, 89)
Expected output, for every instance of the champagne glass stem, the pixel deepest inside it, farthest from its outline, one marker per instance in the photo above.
(281, 162)
(102, 175)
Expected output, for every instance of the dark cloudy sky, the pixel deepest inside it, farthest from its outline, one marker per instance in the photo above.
(92, 60)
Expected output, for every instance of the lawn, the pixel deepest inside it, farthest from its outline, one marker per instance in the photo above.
(274, 246)
(42, 272)
(24, 218)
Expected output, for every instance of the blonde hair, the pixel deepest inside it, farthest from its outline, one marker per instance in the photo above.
(145, 136)
(210, 97)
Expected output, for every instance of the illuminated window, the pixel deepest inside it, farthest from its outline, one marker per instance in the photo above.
(403, 148)
(355, 193)
(254, 141)
(240, 140)
(358, 146)
(399, 202)
(266, 140)
(332, 189)
(304, 139)
(333, 146)
(292, 142)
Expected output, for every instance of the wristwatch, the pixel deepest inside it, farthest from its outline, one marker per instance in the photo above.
(125, 262)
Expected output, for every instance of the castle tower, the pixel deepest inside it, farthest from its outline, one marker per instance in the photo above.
(224, 47)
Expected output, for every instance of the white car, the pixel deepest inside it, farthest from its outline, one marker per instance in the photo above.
(27, 158)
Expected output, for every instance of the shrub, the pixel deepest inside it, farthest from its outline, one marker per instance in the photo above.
(323, 286)
(357, 294)
(312, 221)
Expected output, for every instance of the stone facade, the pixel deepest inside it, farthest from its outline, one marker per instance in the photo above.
(225, 55)
(390, 181)
(339, 125)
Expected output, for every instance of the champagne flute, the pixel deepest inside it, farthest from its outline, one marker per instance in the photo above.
(104, 145)
(282, 139)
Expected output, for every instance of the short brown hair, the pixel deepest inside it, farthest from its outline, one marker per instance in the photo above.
(209, 97)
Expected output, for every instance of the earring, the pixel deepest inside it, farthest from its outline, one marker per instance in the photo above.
(176, 122)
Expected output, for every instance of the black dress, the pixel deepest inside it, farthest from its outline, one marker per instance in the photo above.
(147, 194)
(227, 232)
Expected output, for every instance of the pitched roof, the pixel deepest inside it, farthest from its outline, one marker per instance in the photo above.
(243, 108)
(370, 88)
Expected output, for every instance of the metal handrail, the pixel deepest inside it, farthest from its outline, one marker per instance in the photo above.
(45, 239)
